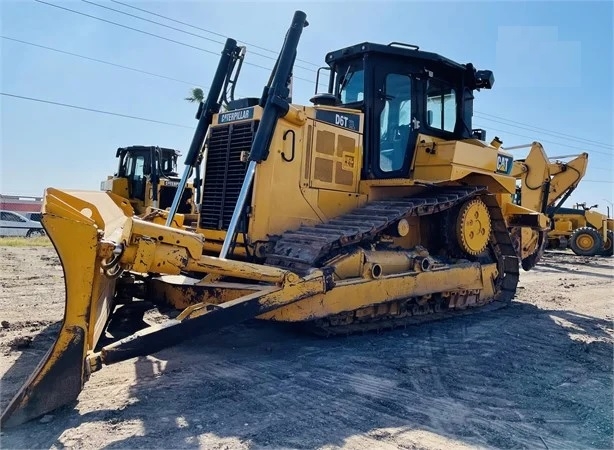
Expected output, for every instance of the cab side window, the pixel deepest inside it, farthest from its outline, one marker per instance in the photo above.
(395, 122)
(440, 105)
(353, 87)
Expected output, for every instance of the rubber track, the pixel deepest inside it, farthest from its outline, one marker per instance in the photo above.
(305, 248)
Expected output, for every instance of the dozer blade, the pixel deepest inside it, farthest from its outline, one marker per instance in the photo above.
(95, 233)
(75, 227)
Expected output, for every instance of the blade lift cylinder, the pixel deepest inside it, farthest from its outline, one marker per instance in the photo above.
(276, 105)
(210, 107)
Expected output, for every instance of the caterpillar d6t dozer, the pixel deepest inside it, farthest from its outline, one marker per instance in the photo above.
(147, 176)
(376, 206)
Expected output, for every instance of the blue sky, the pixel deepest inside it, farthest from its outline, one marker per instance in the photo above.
(552, 63)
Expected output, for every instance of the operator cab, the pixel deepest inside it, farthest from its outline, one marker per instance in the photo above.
(402, 92)
(139, 163)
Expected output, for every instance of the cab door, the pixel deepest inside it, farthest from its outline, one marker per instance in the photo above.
(135, 172)
(393, 137)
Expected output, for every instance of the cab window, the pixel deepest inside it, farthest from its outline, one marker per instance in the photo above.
(126, 166)
(440, 105)
(168, 164)
(394, 122)
(139, 167)
(135, 166)
(352, 83)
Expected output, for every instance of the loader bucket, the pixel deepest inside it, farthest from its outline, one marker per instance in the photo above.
(75, 226)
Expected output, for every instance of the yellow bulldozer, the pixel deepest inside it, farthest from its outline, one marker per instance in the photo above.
(147, 176)
(376, 206)
(584, 231)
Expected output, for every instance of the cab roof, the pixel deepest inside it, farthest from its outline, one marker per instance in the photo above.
(474, 79)
(392, 49)
(138, 148)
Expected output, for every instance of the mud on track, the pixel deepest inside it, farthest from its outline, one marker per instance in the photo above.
(535, 375)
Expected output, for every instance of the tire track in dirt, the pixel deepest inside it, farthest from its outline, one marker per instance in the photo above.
(369, 391)
(506, 379)
(435, 397)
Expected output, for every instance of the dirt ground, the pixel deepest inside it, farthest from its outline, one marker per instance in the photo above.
(535, 375)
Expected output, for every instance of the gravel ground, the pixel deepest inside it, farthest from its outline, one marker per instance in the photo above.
(535, 375)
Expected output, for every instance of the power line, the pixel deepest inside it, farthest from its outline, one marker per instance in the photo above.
(204, 29)
(556, 135)
(543, 130)
(150, 120)
(206, 87)
(550, 142)
(208, 51)
(549, 132)
(99, 111)
(99, 61)
(158, 36)
(127, 27)
(88, 58)
(317, 65)
(184, 31)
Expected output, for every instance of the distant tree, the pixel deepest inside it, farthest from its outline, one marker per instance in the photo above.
(196, 95)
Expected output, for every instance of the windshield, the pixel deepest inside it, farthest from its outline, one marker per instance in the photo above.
(134, 164)
(168, 163)
(351, 81)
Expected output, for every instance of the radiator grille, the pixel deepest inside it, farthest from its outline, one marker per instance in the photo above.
(167, 195)
(224, 174)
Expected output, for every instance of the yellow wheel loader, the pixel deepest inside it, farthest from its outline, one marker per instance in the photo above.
(543, 184)
(147, 176)
(586, 232)
(374, 207)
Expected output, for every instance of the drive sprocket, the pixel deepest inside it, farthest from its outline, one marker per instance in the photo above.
(473, 226)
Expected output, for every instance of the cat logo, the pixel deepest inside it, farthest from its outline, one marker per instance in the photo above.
(504, 164)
